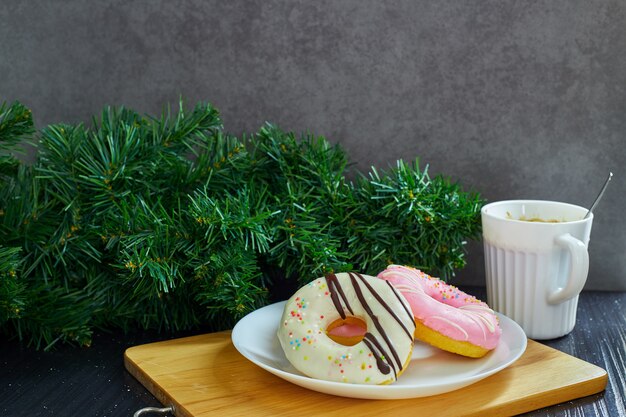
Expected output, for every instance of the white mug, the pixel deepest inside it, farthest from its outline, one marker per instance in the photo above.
(536, 262)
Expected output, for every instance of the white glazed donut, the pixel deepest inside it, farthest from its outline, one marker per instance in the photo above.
(379, 358)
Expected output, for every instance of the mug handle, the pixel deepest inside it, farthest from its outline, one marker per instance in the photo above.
(579, 268)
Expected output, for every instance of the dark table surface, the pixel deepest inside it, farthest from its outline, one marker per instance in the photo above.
(71, 381)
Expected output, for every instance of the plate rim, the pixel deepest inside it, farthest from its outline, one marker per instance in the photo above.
(390, 391)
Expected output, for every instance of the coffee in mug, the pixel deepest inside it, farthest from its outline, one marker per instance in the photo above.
(536, 262)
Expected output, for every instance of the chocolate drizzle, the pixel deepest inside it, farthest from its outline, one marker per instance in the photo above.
(387, 307)
(377, 350)
(379, 327)
(386, 356)
(335, 292)
(407, 309)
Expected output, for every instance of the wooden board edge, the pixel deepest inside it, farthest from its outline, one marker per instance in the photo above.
(155, 389)
(596, 382)
(581, 389)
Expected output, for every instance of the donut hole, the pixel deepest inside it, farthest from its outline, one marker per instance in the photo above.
(348, 331)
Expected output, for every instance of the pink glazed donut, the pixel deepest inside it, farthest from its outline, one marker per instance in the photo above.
(445, 316)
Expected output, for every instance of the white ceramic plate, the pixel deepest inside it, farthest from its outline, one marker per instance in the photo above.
(431, 372)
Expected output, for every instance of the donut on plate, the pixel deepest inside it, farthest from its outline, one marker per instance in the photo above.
(378, 356)
(445, 316)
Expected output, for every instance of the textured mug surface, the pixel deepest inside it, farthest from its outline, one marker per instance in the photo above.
(536, 262)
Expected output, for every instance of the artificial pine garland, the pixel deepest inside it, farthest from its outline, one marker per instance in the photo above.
(171, 223)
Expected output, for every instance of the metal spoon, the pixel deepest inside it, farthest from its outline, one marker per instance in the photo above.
(597, 200)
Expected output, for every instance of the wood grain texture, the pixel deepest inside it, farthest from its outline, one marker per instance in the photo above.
(205, 376)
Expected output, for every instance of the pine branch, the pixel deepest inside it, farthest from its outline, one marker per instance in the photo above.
(56, 316)
(405, 217)
(16, 125)
(12, 297)
(170, 223)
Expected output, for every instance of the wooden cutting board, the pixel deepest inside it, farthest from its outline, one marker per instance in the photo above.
(206, 376)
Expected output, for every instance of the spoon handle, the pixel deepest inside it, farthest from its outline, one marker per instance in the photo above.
(597, 200)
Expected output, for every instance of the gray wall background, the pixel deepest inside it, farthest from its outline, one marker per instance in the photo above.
(514, 99)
